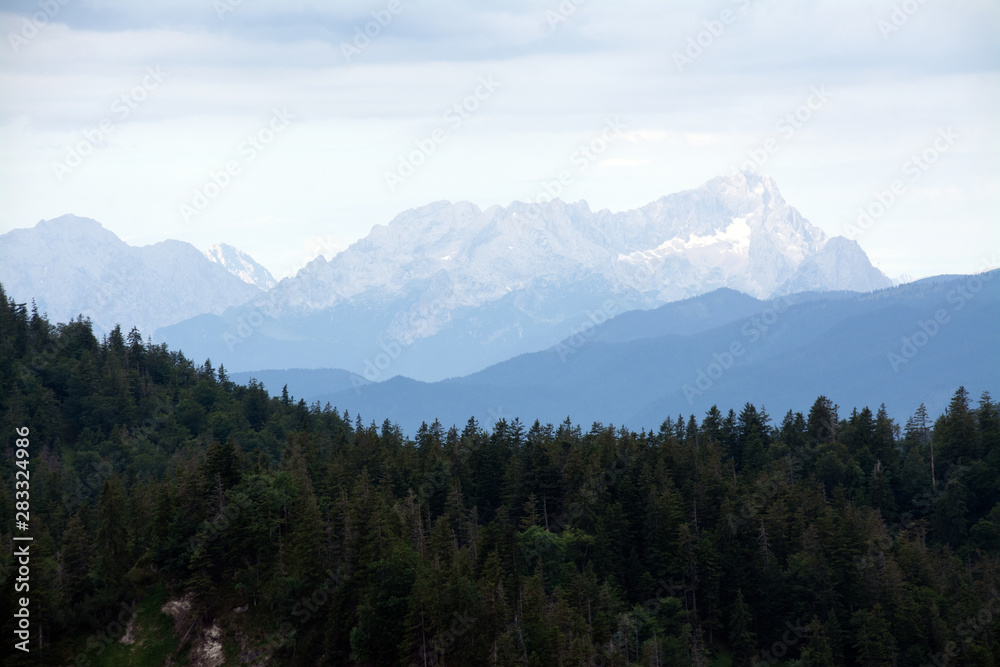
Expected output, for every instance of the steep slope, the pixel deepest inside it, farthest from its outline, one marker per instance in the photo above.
(840, 265)
(73, 266)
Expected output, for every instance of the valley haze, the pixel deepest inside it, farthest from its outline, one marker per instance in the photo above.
(535, 310)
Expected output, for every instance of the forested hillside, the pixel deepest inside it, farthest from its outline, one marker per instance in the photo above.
(287, 533)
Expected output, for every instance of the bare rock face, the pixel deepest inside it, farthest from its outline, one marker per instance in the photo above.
(206, 642)
(130, 633)
(241, 265)
(179, 610)
(447, 289)
(840, 265)
(735, 232)
(207, 649)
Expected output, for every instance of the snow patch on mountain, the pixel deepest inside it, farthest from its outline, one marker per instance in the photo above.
(735, 232)
(446, 289)
(241, 265)
(733, 241)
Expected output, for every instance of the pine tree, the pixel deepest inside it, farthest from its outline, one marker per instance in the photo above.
(116, 343)
(222, 465)
(821, 426)
(948, 519)
(75, 558)
(111, 538)
(741, 636)
(711, 426)
(872, 638)
(136, 352)
(817, 651)
(163, 516)
(285, 399)
(752, 440)
(529, 512)
(955, 430)
(307, 529)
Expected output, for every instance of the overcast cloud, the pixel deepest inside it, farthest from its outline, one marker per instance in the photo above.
(162, 95)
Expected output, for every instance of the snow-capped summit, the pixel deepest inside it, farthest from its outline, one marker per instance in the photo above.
(733, 232)
(241, 265)
(459, 287)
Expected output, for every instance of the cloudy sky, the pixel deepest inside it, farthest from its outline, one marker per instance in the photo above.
(289, 129)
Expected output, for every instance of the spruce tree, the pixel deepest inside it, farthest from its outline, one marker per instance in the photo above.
(111, 543)
(742, 639)
(75, 560)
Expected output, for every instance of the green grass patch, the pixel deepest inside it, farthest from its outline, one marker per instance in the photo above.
(722, 660)
(154, 635)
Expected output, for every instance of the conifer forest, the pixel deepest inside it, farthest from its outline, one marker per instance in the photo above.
(174, 512)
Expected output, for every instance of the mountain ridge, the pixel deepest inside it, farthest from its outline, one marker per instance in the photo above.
(459, 287)
(842, 346)
(73, 266)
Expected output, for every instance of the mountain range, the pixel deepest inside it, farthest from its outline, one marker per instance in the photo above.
(449, 289)
(907, 345)
(72, 266)
(716, 295)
